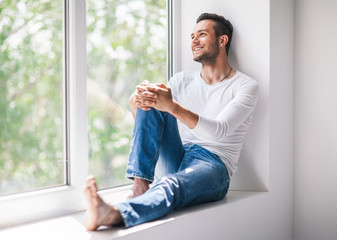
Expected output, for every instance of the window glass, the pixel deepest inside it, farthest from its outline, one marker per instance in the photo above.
(126, 44)
(31, 95)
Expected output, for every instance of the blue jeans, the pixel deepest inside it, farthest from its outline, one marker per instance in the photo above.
(188, 174)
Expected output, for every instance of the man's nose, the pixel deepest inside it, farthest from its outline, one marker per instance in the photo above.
(195, 40)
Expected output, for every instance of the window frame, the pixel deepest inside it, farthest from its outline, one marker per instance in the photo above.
(56, 201)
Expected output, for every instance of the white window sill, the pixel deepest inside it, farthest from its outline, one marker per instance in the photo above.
(71, 226)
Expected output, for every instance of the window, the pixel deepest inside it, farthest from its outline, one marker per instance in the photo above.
(31, 96)
(64, 89)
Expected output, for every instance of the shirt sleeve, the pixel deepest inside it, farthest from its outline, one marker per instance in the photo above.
(232, 116)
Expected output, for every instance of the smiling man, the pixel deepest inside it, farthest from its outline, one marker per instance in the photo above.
(188, 134)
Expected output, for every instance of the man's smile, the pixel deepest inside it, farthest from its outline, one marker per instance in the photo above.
(197, 49)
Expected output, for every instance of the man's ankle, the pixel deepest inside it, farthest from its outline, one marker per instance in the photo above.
(140, 186)
(141, 182)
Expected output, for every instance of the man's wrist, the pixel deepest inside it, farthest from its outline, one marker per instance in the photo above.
(174, 109)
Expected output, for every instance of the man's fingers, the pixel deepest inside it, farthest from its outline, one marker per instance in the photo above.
(146, 95)
(161, 85)
(141, 88)
(150, 94)
(145, 103)
(158, 88)
(144, 83)
(145, 91)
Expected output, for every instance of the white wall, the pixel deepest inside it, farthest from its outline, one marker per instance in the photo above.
(249, 53)
(316, 117)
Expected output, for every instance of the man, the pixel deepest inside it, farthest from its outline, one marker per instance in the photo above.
(194, 157)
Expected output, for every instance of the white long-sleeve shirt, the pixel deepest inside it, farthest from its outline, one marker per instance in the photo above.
(225, 112)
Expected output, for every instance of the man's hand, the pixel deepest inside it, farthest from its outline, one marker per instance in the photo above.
(150, 95)
(142, 98)
(163, 101)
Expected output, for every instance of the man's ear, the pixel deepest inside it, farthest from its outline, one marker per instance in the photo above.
(223, 39)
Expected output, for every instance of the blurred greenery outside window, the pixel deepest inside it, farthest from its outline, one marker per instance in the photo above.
(31, 95)
(126, 44)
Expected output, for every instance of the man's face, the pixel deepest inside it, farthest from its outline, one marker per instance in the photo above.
(205, 46)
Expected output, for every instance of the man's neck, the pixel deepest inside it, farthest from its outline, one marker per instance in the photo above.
(212, 74)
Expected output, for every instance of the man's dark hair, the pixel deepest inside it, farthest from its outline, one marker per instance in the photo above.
(221, 27)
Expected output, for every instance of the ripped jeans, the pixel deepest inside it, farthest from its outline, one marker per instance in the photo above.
(187, 174)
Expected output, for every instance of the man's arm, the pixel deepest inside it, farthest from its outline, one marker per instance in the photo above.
(190, 119)
(148, 95)
(227, 121)
(237, 113)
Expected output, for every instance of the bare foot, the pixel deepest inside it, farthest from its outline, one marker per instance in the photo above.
(98, 212)
(140, 186)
